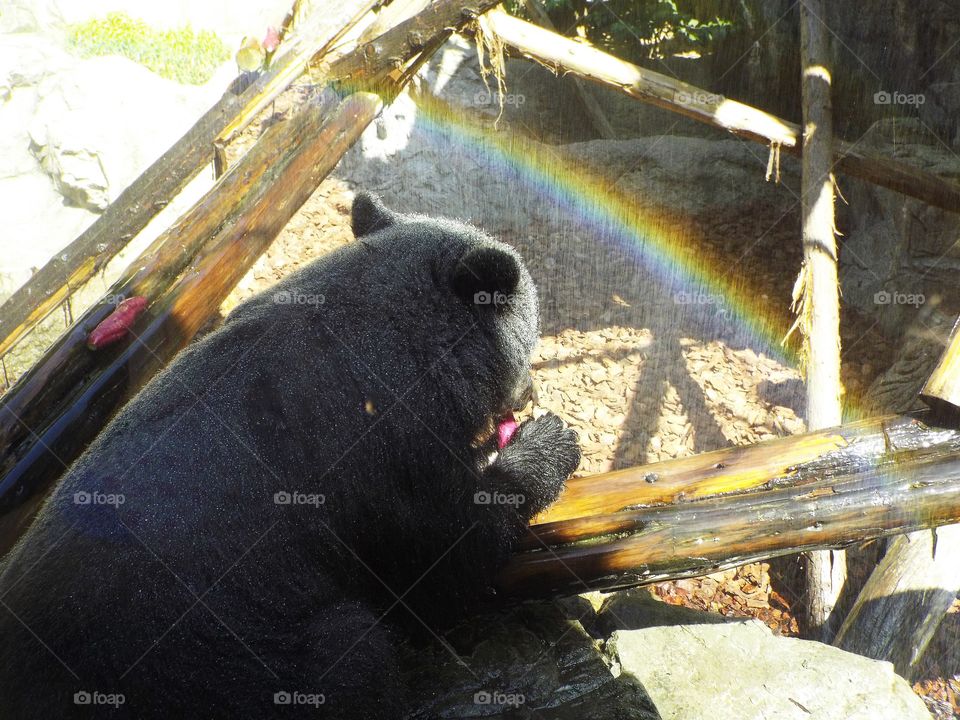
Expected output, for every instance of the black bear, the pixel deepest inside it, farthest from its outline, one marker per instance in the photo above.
(253, 532)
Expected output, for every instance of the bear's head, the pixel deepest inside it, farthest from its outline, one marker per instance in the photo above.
(475, 297)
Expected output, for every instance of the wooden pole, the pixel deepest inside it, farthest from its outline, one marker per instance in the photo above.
(895, 616)
(942, 390)
(892, 476)
(562, 54)
(817, 293)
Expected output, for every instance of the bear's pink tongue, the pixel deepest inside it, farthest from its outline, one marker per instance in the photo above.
(505, 430)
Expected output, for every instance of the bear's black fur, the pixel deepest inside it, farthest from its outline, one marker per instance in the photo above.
(246, 522)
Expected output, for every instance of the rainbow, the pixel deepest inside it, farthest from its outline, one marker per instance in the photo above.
(665, 245)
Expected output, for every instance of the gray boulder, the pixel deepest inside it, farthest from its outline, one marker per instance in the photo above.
(100, 123)
(722, 670)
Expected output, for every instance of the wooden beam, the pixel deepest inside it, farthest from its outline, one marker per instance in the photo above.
(594, 112)
(564, 55)
(729, 471)
(893, 476)
(379, 60)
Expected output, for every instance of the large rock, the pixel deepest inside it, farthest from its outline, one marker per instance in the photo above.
(98, 125)
(898, 254)
(73, 134)
(38, 226)
(27, 58)
(34, 212)
(542, 660)
(741, 671)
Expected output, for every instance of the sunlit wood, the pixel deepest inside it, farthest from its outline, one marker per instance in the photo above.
(883, 477)
(564, 55)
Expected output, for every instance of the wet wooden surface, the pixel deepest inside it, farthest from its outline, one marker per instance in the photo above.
(890, 476)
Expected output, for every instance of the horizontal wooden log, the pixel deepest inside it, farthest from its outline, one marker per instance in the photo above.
(720, 472)
(564, 55)
(153, 190)
(902, 477)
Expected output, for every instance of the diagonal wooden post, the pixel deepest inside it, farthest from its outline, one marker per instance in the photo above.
(565, 55)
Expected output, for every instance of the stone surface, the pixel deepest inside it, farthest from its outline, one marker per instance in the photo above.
(74, 133)
(100, 123)
(26, 58)
(741, 671)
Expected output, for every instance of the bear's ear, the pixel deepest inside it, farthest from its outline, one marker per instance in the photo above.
(369, 215)
(486, 275)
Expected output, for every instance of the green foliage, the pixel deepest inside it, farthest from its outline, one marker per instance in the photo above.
(637, 29)
(182, 55)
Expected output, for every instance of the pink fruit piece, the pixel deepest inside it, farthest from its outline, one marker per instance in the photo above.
(505, 430)
(271, 40)
(117, 324)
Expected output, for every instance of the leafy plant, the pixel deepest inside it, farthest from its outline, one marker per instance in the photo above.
(636, 29)
(184, 55)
